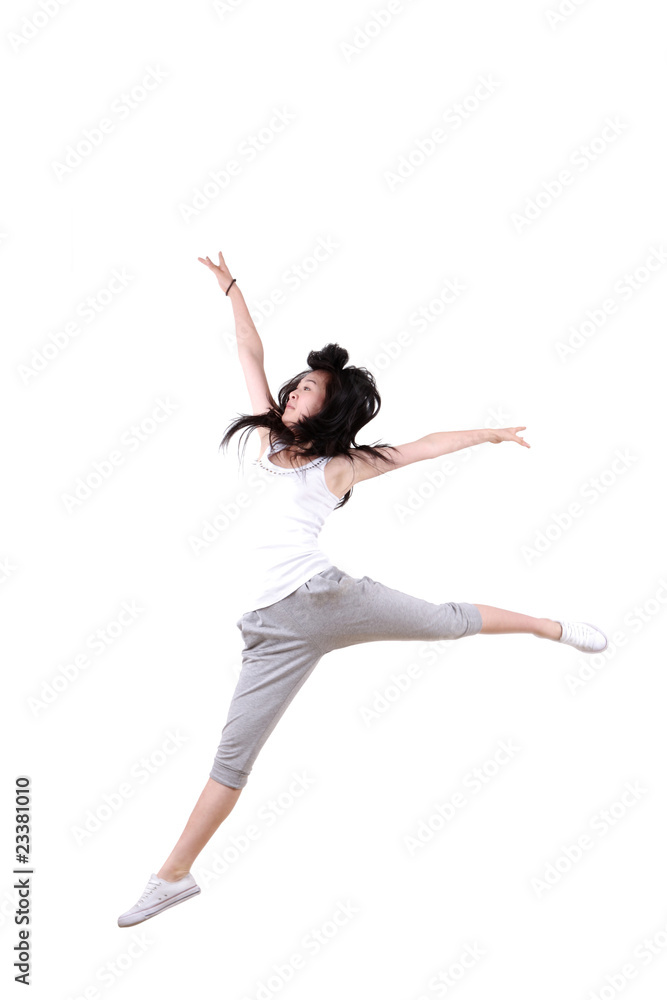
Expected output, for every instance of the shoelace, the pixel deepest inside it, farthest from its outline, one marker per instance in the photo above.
(150, 887)
(580, 632)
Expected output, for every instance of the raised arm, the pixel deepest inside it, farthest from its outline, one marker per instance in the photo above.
(248, 341)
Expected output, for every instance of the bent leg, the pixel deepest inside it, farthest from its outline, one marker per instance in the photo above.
(277, 661)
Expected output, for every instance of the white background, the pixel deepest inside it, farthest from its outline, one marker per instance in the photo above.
(360, 95)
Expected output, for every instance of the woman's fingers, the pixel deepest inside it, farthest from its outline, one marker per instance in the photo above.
(214, 267)
(510, 434)
(209, 263)
(520, 439)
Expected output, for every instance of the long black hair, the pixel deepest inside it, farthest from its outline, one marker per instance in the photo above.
(351, 400)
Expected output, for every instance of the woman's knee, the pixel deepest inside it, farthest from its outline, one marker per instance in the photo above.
(466, 619)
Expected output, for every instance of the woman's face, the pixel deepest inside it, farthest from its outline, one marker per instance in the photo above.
(308, 397)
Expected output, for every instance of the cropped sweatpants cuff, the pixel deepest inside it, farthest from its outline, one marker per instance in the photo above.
(228, 776)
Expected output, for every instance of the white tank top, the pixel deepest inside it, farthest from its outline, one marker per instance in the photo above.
(283, 549)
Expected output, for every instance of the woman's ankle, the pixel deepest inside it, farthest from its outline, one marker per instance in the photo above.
(170, 874)
(550, 629)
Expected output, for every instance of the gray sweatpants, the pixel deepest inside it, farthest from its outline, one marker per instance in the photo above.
(286, 640)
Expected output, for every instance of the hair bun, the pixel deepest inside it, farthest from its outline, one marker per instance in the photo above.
(332, 357)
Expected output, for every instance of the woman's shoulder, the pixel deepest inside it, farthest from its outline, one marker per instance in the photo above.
(356, 466)
(264, 433)
(346, 470)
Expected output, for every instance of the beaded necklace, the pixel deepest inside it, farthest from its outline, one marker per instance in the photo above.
(270, 467)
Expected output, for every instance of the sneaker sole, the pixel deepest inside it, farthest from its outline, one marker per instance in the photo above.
(138, 918)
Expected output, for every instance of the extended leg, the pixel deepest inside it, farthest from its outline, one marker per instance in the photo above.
(343, 610)
(497, 621)
(213, 805)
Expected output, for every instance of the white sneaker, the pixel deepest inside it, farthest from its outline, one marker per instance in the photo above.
(583, 636)
(157, 896)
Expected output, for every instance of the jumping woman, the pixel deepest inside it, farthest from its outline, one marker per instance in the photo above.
(303, 606)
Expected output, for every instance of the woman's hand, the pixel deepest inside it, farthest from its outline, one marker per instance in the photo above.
(507, 434)
(220, 270)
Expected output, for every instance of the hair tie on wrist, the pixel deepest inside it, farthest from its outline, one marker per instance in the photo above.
(230, 285)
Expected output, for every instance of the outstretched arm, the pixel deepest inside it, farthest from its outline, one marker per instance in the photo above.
(444, 442)
(425, 448)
